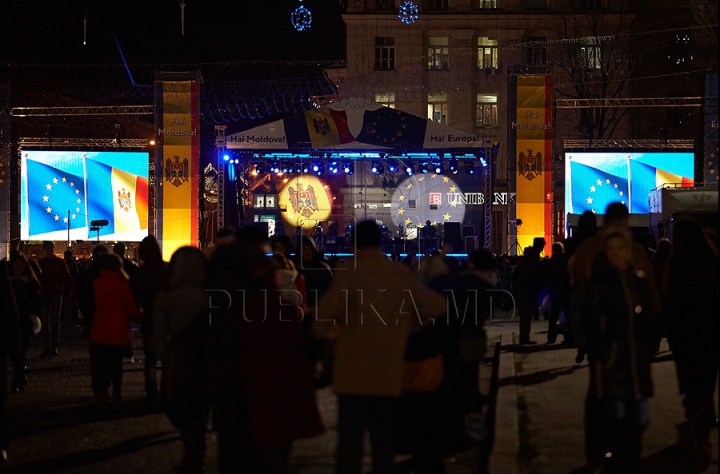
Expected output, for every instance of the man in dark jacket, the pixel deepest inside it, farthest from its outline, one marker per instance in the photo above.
(9, 346)
(55, 287)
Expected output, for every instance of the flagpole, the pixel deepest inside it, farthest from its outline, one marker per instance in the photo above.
(68, 242)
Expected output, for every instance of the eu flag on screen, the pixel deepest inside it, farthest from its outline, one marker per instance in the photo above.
(51, 193)
(392, 128)
(593, 189)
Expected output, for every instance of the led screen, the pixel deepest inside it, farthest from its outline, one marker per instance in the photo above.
(62, 192)
(594, 180)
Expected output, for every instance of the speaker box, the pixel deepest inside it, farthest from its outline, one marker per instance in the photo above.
(471, 244)
(263, 226)
(452, 235)
(468, 230)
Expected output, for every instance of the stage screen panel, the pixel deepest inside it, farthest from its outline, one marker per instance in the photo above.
(62, 192)
(594, 180)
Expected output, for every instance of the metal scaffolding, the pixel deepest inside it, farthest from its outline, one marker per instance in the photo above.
(219, 150)
(82, 110)
(679, 144)
(629, 102)
(80, 143)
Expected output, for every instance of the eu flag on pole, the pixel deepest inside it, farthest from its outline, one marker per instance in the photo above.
(55, 199)
(392, 128)
(594, 189)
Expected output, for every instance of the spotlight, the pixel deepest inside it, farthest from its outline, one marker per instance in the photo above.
(305, 168)
(452, 165)
(392, 167)
(317, 168)
(424, 167)
(469, 166)
(275, 167)
(438, 167)
(287, 167)
(333, 167)
(377, 167)
(409, 169)
(259, 168)
(226, 157)
(348, 167)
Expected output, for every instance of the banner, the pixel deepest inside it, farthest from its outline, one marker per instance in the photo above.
(367, 126)
(177, 163)
(530, 135)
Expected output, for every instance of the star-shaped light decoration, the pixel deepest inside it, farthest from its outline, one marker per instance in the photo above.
(408, 221)
(55, 181)
(446, 179)
(592, 189)
(446, 217)
(401, 211)
(409, 186)
(401, 198)
(64, 180)
(589, 200)
(453, 189)
(48, 187)
(48, 209)
(46, 198)
(599, 182)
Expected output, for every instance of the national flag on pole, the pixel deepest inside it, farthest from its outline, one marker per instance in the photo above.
(55, 199)
(387, 127)
(117, 196)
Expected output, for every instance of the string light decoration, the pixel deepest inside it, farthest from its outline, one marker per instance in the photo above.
(301, 18)
(408, 12)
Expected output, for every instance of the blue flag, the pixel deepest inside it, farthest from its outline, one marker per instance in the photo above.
(392, 128)
(594, 189)
(55, 199)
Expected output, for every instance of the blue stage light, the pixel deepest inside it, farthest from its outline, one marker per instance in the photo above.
(348, 168)
(226, 157)
(392, 167)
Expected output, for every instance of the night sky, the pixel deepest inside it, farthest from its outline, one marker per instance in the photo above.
(149, 31)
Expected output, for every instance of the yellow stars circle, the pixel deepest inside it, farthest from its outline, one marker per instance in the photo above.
(453, 189)
(401, 198)
(446, 217)
(408, 221)
(446, 179)
(401, 211)
(410, 185)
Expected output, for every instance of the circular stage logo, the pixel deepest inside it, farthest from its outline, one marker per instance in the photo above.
(307, 201)
(427, 197)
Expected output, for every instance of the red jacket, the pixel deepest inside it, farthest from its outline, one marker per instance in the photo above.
(115, 307)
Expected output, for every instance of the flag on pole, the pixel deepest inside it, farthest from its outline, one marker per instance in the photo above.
(55, 199)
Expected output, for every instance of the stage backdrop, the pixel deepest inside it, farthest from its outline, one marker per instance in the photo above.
(177, 161)
(530, 136)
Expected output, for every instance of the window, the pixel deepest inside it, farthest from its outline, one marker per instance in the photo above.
(438, 53)
(384, 53)
(486, 111)
(487, 52)
(437, 5)
(488, 4)
(536, 51)
(387, 99)
(438, 107)
(590, 52)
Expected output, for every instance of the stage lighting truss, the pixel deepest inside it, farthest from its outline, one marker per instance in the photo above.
(470, 166)
(275, 167)
(409, 169)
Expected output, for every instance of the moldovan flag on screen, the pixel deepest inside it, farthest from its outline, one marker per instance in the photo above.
(118, 196)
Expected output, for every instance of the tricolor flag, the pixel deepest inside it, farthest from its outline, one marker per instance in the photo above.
(321, 128)
(644, 178)
(117, 196)
(55, 199)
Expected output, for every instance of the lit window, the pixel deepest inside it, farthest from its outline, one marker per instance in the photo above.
(384, 53)
(438, 107)
(438, 53)
(486, 111)
(488, 4)
(487, 52)
(386, 100)
(590, 52)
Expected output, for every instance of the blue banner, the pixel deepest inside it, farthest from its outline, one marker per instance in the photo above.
(55, 199)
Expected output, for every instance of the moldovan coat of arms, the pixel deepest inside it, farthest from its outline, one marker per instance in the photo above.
(176, 172)
(530, 165)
